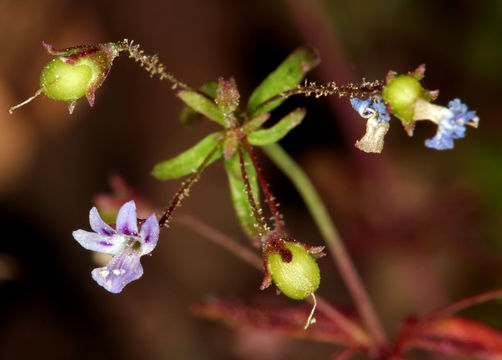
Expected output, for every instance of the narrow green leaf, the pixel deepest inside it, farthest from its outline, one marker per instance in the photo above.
(209, 88)
(279, 130)
(189, 160)
(189, 116)
(255, 123)
(202, 104)
(289, 73)
(239, 195)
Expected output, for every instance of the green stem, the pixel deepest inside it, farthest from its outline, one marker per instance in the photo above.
(331, 237)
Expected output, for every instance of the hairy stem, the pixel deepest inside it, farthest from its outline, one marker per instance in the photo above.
(331, 237)
(364, 89)
(217, 237)
(150, 63)
(184, 191)
(269, 198)
(254, 203)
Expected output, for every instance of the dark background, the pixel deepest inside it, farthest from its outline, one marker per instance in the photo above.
(424, 227)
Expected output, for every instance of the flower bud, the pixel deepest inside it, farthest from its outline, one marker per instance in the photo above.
(294, 270)
(227, 95)
(227, 99)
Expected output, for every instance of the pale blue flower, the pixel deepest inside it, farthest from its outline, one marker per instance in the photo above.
(451, 125)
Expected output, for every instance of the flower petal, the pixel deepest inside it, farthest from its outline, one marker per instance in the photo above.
(373, 107)
(150, 234)
(120, 271)
(440, 141)
(98, 225)
(127, 222)
(97, 242)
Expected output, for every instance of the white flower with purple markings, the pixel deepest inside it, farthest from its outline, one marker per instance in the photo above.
(124, 242)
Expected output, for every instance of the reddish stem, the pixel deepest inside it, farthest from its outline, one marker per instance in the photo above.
(220, 239)
(185, 189)
(330, 235)
(257, 211)
(269, 198)
(344, 354)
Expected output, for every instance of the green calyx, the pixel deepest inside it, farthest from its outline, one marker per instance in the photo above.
(298, 278)
(65, 82)
(401, 94)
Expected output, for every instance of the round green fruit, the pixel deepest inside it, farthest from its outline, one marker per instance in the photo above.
(298, 278)
(65, 82)
(401, 93)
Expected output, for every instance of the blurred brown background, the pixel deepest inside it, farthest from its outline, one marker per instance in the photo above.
(424, 227)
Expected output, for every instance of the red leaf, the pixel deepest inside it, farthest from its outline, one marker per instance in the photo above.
(288, 321)
(344, 354)
(455, 336)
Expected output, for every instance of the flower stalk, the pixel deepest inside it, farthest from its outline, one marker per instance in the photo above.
(330, 235)
(151, 64)
(254, 203)
(358, 334)
(269, 198)
(184, 191)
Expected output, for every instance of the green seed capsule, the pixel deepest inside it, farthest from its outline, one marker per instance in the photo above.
(298, 278)
(401, 93)
(75, 72)
(65, 82)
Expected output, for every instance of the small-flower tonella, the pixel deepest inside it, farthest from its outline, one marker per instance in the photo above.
(124, 243)
(406, 98)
